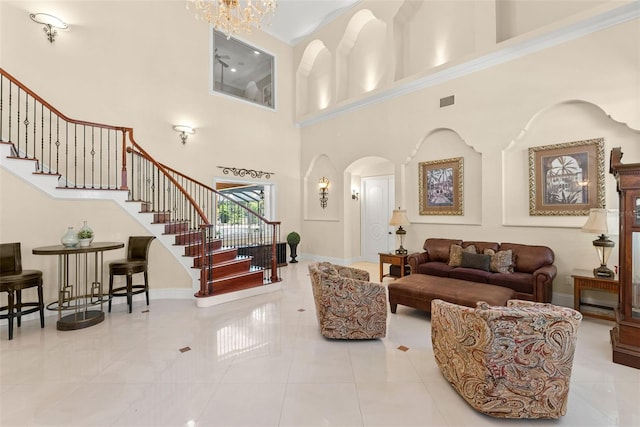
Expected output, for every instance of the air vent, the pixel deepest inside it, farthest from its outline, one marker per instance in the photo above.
(446, 101)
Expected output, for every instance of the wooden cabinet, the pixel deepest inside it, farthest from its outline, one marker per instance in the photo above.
(625, 336)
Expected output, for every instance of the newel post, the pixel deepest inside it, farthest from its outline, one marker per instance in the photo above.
(123, 174)
(206, 261)
(274, 258)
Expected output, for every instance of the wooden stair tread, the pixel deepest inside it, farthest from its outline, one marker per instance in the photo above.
(237, 260)
(235, 275)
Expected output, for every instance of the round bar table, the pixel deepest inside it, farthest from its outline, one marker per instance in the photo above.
(77, 293)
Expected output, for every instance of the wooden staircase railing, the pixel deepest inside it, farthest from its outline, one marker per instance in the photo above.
(236, 226)
(86, 155)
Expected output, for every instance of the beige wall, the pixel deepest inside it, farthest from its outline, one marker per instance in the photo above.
(580, 89)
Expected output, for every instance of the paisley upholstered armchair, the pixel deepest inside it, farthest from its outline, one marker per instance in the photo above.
(348, 306)
(507, 362)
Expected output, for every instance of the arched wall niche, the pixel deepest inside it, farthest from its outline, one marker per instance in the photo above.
(516, 17)
(322, 166)
(361, 55)
(566, 121)
(369, 59)
(313, 79)
(431, 34)
(441, 144)
(353, 174)
(401, 39)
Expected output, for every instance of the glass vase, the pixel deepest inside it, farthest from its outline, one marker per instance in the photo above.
(86, 227)
(69, 239)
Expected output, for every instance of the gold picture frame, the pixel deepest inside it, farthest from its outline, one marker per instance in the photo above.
(441, 187)
(567, 179)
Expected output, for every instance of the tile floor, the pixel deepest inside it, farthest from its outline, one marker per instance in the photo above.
(262, 362)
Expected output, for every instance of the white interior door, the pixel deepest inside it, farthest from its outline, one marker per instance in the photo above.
(377, 205)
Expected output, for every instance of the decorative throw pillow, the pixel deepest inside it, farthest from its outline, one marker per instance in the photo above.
(455, 254)
(501, 261)
(477, 261)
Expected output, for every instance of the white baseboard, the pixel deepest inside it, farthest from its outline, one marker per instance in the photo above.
(320, 258)
(234, 296)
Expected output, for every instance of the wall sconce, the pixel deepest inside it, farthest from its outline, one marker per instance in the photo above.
(355, 195)
(323, 185)
(51, 24)
(184, 131)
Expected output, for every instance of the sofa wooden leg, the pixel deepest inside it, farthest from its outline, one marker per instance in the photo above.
(393, 307)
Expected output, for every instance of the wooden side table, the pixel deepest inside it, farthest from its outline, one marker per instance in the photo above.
(393, 259)
(581, 283)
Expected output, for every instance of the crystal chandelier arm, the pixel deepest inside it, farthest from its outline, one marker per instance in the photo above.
(233, 16)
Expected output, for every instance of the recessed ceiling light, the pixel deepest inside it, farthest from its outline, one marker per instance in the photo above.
(255, 52)
(233, 70)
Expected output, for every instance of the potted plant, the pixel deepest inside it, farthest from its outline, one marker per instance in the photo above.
(293, 239)
(85, 236)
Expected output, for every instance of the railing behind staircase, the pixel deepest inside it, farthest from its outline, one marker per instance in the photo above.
(87, 155)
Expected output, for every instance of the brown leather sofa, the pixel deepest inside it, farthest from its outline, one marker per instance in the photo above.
(530, 275)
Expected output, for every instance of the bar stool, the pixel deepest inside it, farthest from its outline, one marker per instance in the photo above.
(13, 279)
(136, 262)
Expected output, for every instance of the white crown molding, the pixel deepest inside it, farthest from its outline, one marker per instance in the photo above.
(506, 51)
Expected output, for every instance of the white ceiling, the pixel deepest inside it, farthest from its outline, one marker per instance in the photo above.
(294, 19)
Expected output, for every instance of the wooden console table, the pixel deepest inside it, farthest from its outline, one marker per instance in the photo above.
(586, 282)
(393, 259)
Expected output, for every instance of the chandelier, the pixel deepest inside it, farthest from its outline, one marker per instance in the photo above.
(233, 16)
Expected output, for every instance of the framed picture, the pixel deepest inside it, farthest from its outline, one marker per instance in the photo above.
(567, 178)
(440, 187)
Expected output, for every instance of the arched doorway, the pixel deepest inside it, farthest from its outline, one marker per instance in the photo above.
(366, 222)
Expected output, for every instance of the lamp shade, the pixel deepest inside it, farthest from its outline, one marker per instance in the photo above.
(399, 218)
(597, 222)
(323, 184)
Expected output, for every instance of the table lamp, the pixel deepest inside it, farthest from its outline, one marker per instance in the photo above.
(398, 219)
(597, 224)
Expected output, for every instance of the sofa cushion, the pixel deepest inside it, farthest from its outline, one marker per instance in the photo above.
(477, 261)
(501, 261)
(471, 274)
(455, 254)
(482, 246)
(441, 269)
(519, 282)
(438, 249)
(529, 258)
